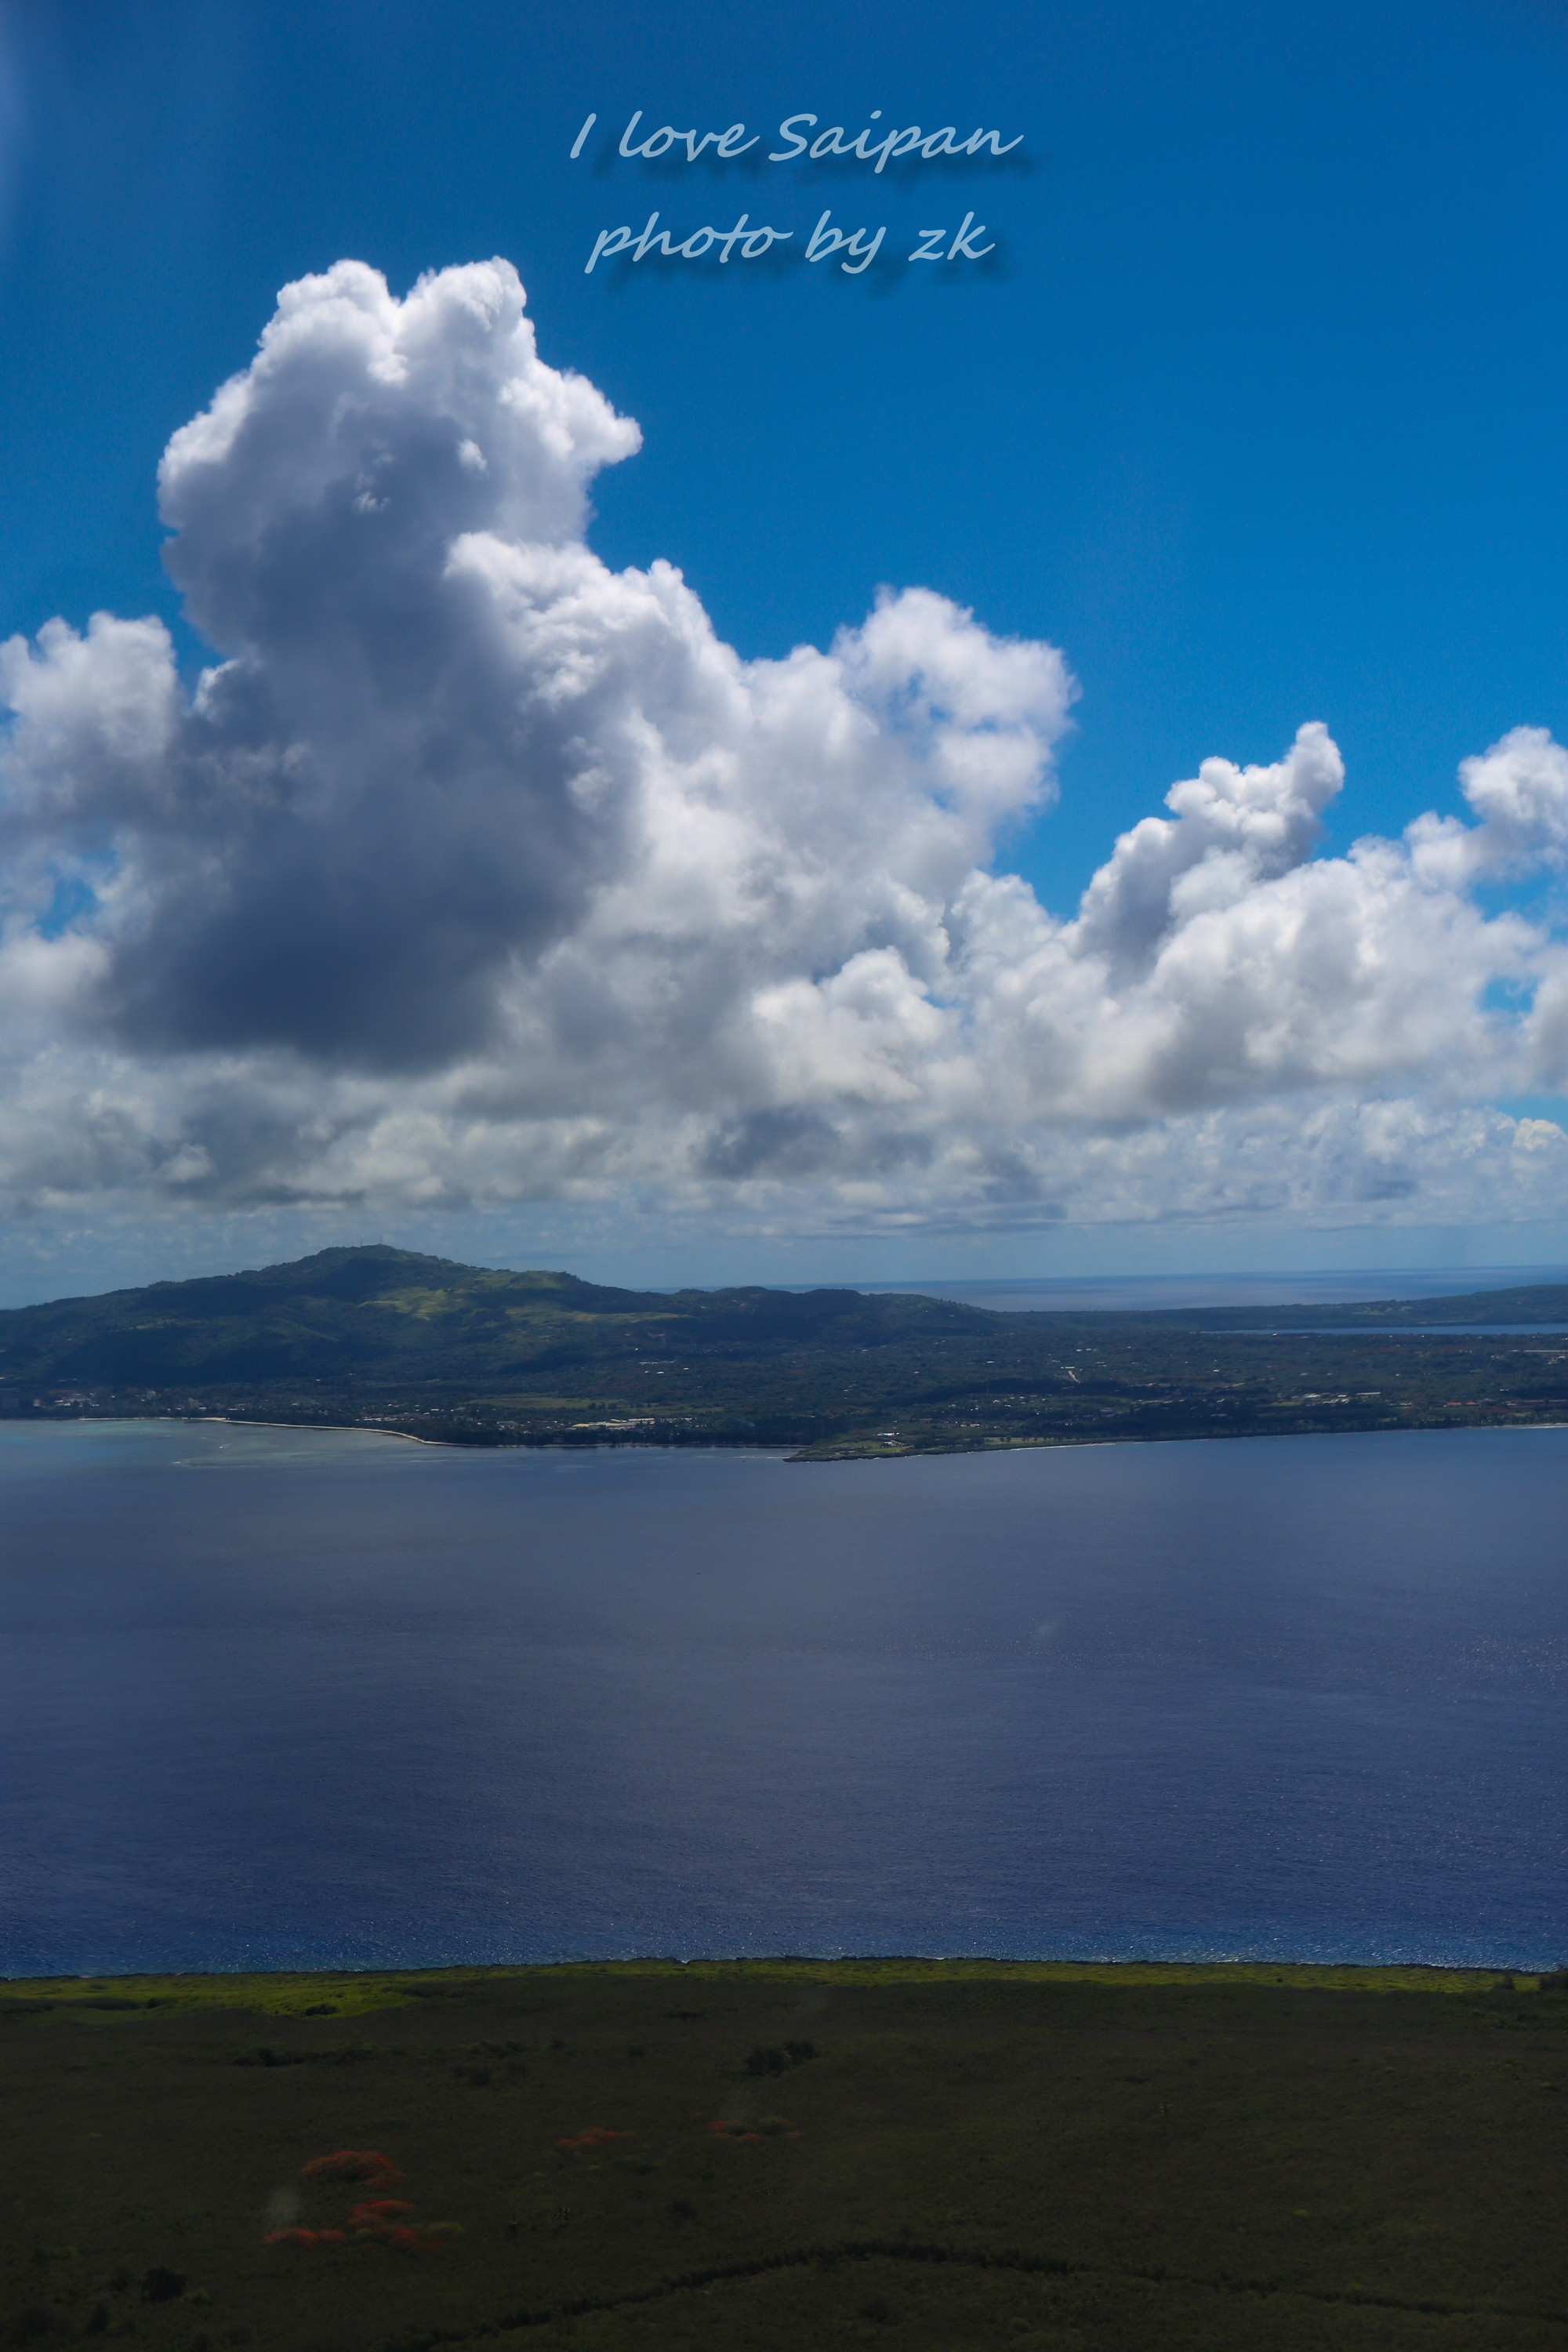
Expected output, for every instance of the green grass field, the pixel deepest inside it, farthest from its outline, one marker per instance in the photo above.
(784, 2154)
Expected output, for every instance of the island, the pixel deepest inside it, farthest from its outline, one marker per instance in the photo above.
(385, 1338)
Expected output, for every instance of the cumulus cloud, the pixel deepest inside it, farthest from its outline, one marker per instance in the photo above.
(472, 871)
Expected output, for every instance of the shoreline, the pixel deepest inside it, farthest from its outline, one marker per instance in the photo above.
(290, 1991)
(784, 1451)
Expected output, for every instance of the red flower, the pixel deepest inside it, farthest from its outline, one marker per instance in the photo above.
(415, 2242)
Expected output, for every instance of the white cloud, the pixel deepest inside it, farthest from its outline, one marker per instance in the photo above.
(473, 872)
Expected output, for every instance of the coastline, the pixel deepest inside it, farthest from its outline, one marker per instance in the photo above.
(290, 1991)
(784, 1452)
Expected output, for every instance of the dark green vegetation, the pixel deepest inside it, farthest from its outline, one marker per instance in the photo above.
(388, 1339)
(770, 2155)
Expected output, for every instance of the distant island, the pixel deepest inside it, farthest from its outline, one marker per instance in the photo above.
(385, 1338)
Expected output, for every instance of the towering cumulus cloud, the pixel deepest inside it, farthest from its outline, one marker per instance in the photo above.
(473, 871)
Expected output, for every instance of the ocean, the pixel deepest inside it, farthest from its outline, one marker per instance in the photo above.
(292, 1699)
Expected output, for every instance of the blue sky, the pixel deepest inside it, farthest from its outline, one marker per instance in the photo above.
(1263, 422)
(1255, 411)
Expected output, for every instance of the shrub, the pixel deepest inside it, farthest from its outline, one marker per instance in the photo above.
(353, 2164)
(434, 2238)
(773, 2061)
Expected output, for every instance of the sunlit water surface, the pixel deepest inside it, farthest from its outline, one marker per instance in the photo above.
(280, 1699)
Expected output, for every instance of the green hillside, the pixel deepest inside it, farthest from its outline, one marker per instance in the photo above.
(351, 1314)
(388, 1338)
(944, 2156)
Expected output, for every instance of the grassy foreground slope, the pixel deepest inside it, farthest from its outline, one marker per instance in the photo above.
(770, 2155)
(387, 1338)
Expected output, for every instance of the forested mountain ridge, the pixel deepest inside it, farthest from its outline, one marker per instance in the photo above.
(370, 1311)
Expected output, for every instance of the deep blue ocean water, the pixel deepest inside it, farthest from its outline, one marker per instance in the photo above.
(275, 1698)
